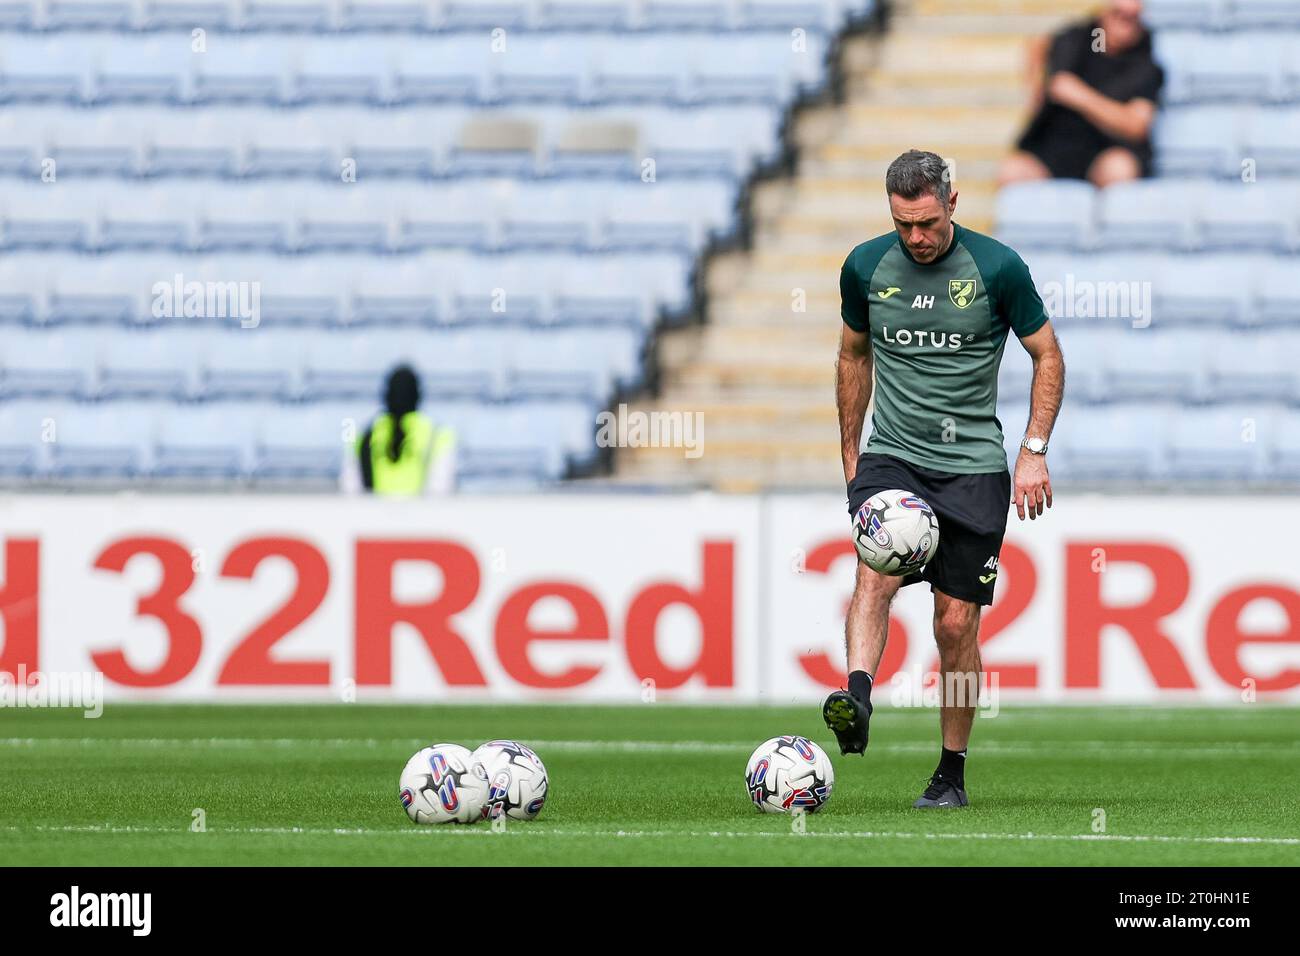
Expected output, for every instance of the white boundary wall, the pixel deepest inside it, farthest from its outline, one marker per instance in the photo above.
(591, 596)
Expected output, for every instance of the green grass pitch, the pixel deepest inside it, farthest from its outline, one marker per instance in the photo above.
(644, 785)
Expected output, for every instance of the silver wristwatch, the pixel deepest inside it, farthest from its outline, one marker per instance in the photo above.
(1035, 446)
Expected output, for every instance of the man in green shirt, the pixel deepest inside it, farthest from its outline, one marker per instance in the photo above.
(928, 308)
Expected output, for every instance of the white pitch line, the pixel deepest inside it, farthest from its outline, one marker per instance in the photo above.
(532, 831)
(993, 747)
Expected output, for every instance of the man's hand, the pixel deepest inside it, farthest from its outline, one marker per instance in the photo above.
(1032, 486)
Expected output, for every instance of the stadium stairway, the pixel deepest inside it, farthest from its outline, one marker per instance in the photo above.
(945, 75)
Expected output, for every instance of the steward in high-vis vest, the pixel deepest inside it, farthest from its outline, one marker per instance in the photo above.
(403, 452)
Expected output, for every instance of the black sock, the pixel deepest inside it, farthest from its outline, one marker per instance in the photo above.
(860, 687)
(952, 764)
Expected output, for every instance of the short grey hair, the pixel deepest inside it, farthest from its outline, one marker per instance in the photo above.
(918, 173)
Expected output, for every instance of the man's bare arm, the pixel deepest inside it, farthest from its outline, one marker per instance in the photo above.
(1048, 385)
(1032, 486)
(1129, 121)
(852, 393)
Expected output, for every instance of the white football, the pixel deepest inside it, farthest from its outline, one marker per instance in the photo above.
(515, 778)
(789, 773)
(896, 532)
(438, 786)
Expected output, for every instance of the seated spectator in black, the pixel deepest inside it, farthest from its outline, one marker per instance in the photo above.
(1095, 95)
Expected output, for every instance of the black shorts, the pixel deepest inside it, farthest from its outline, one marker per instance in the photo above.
(1068, 159)
(972, 512)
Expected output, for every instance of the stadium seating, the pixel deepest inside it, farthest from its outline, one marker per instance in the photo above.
(517, 222)
(1204, 387)
(513, 213)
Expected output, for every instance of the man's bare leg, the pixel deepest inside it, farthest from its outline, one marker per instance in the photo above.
(956, 632)
(866, 628)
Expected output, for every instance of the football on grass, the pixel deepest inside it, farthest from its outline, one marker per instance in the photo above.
(789, 773)
(438, 786)
(515, 778)
(896, 532)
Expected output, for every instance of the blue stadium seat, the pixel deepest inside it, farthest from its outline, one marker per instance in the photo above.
(537, 68)
(785, 15)
(1184, 14)
(643, 72)
(244, 72)
(1256, 14)
(1204, 290)
(1254, 366)
(603, 15)
(88, 15)
(1084, 347)
(449, 72)
(201, 147)
(94, 147)
(42, 71)
(1150, 364)
(346, 222)
(216, 441)
(1198, 141)
(1277, 296)
(161, 218)
(1120, 442)
(22, 424)
(48, 364)
(1285, 463)
(251, 364)
(38, 217)
(341, 71)
(1271, 137)
(1055, 214)
(1146, 214)
(251, 224)
(294, 146)
(151, 73)
(18, 14)
(295, 15)
(1244, 66)
(1221, 443)
(156, 364)
(307, 441)
(410, 294)
(184, 14)
(1261, 216)
(398, 15)
(485, 14)
(685, 14)
(109, 441)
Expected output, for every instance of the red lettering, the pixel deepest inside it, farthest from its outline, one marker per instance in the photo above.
(1224, 637)
(251, 662)
(1017, 580)
(20, 606)
(1086, 615)
(514, 635)
(712, 603)
(376, 612)
(818, 664)
(184, 636)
